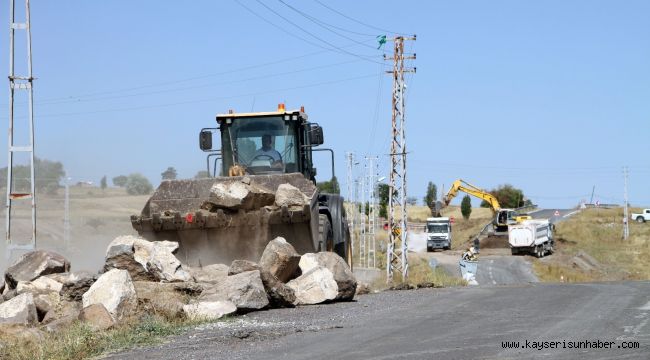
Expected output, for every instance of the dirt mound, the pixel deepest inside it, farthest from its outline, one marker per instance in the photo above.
(495, 242)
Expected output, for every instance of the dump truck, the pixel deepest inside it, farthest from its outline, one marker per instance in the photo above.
(438, 232)
(533, 237)
(261, 185)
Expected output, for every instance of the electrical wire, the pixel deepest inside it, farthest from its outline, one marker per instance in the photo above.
(202, 86)
(358, 21)
(318, 22)
(365, 58)
(211, 99)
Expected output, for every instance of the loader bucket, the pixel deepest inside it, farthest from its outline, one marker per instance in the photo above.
(206, 235)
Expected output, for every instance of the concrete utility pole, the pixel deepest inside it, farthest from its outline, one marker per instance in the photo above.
(372, 212)
(66, 213)
(362, 225)
(350, 160)
(626, 221)
(396, 256)
(20, 83)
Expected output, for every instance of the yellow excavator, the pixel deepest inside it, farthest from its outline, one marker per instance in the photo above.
(502, 217)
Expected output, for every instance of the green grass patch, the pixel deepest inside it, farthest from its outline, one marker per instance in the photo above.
(79, 341)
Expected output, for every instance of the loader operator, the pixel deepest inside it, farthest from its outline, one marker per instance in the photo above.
(268, 152)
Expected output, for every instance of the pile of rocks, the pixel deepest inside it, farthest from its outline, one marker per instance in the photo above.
(39, 290)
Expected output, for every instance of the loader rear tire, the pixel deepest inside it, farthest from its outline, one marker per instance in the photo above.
(325, 233)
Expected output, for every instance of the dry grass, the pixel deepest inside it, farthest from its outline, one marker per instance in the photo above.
(79, 341)
(420, 275)
(598, 232)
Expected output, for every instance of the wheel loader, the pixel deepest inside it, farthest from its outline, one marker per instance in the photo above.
(263, 150)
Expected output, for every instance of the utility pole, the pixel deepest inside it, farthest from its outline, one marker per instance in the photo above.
(350, 160)
(593, 189)
(396, 256)
(372, 212)
(66, 213)
(362, 243)
(20, 83)
(626, 222)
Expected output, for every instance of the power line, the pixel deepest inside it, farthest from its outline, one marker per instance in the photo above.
(358, 21)
(318, 22)
(211, 99)
(365, 58)
(204, 85)
(338, 27)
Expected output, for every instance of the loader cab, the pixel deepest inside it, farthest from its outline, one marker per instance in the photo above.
(266, 143)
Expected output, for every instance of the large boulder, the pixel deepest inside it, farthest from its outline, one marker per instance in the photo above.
(115, 291)
(97, 317)
(19, 310)
(345, 279)
(208, 310)
(214, 273)
(41, 285)
(19, 332)
(45, 302)
(159, 260)
(244, 194)
(120, 254)
(289, 195)
(34, 264)
(74, 290)
(63, 314)
(314, 286)
(280, 259)
(245, 290)
(279, 294)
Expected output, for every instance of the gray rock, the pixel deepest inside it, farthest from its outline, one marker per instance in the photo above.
(35, 264)
(46, 302)
(245, 290)
(214, 273)
(240, 266)
(165, 298)
(209, 310)
(74, 290)
(120, 254)
(115, 291)
(68, 310)
(240, 195)
(163, 264)
(289, 195)
(279, 294)
(41, 285)
(314, 287)
(97, 317)
(20, 332)
(345, 279)
(19, 310)
(280, 259)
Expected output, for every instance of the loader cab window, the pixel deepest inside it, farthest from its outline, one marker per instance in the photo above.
(262, 145)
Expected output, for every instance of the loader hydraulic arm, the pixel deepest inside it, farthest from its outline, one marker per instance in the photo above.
(461, 185)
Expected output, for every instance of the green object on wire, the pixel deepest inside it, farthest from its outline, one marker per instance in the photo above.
(381, 39)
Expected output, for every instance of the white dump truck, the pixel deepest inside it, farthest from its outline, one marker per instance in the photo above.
(438, 231)
(533, 237)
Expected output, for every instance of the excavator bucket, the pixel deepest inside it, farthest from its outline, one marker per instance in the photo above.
(207, 232)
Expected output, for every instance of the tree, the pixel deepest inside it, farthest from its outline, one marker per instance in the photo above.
(48, 175)
(102, 183)
(383, 200)
(431, 197)
(120, 180)
(202, 174)
(169, 174)
(329, 187)
(466, 206)
(137, 184)
(411, 200)
(508, 197)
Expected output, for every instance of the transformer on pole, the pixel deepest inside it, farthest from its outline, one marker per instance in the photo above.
(396, 257)
(24, 82)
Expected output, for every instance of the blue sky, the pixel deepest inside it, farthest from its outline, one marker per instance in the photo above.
(550, 96)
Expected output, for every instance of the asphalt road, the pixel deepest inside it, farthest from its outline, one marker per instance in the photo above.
(458, 323)
(549, 214)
